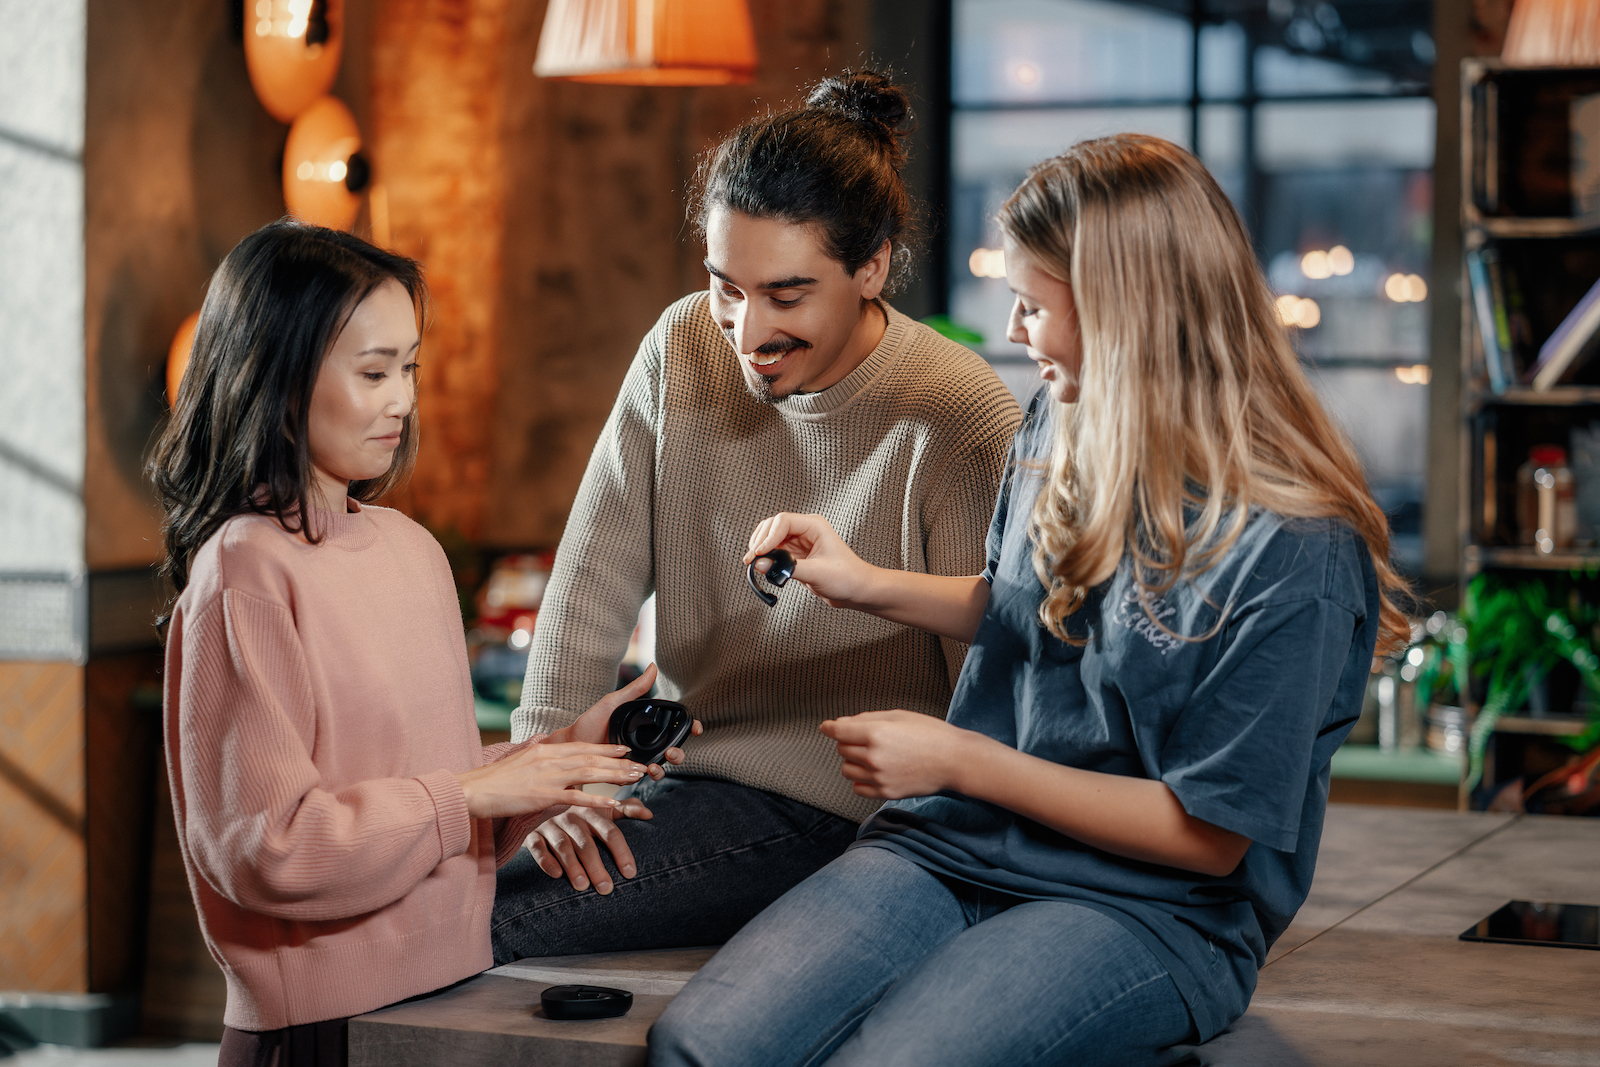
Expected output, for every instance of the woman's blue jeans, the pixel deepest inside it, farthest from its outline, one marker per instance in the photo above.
(875, 961)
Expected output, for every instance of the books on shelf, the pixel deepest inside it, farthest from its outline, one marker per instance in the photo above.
(1573, 339)
(1491, 320)
(1501, 316)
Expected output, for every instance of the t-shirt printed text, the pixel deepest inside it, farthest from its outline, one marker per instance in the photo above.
(1145, 622)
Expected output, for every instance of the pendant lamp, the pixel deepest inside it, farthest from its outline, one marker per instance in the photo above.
(178, 356)
(1553, 32)
(292, 48)
(648, 42)
(323, 169)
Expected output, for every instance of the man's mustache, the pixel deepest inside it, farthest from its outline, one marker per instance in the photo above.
(775, 347)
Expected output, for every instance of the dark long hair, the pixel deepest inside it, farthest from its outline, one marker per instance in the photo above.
(237, 439)
(834, 163)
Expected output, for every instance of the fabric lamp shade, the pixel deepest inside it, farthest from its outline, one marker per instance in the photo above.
(292, 48)
(648, 42)
(178, 356)
(323, 169)
(1553, 32)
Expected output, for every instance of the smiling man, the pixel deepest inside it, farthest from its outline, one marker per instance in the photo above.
(789, 386)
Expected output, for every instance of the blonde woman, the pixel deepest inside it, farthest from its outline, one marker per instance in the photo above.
(1186, 580)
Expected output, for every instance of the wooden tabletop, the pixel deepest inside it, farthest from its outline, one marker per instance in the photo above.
(1388, 983)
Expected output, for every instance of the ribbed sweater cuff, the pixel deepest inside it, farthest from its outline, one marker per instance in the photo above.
(450, 811)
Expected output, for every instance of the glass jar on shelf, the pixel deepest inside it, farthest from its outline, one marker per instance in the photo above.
(1547, 500)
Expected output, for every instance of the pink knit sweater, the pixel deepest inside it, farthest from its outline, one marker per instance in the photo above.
(317, 707)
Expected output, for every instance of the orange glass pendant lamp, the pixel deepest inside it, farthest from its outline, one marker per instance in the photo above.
(1553, 32)
(324, 171)
(292, 48)
(178, 356)
(648, 42)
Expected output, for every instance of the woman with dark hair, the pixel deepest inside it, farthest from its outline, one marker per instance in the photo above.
(1186, 579)
(340, 821)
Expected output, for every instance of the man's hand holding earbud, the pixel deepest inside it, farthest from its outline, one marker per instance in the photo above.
(594, 725)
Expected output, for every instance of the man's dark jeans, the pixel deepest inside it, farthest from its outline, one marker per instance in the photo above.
(714, 855)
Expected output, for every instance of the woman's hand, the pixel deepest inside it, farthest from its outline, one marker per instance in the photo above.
(890, 755)
(538, 776)
(948, 607)
(823, 562)
(594, 725)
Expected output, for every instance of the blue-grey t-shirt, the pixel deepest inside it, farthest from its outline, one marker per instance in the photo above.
(1241, 725)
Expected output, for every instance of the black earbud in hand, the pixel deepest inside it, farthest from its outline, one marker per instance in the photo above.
(782, 570)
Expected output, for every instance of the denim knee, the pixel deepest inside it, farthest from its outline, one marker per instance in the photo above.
(671, 1038)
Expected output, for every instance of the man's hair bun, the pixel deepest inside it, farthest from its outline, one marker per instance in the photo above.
(869, 97)
(834, 163)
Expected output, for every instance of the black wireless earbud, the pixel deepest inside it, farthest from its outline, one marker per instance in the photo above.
(649, 727)
(782, 570)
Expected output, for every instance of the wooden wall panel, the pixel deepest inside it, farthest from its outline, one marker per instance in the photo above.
(184, 992)
(436, 100)
(122, 750)
(43, 925)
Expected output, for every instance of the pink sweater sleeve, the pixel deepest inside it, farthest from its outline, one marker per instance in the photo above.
(259, 826)
(509, 834)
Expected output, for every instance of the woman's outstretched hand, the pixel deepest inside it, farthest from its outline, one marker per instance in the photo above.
(538, 776)
(554, 771)
(890, 755)
(823, 562)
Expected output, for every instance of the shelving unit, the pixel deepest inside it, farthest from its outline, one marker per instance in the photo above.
(1516, 200)
(1520, 557)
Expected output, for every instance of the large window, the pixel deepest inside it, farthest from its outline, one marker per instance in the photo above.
(1315, 118)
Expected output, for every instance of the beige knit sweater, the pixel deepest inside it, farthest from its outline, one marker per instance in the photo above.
(904, 457)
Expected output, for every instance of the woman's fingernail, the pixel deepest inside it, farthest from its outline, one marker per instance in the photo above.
(603, 888)
(634, 774)
(628, 872)
(581, 883)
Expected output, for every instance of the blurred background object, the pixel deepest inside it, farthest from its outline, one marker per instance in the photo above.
(292, 48)
(1316, 119)
(324, 171)
(648, 42)
(508, 606)
(178, 355)
(1553, 32)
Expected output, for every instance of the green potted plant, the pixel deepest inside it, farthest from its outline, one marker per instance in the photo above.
(1515, 633)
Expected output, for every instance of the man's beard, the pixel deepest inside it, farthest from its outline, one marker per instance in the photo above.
(761, 388)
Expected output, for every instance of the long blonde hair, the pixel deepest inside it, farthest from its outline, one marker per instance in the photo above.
(1190, 395)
